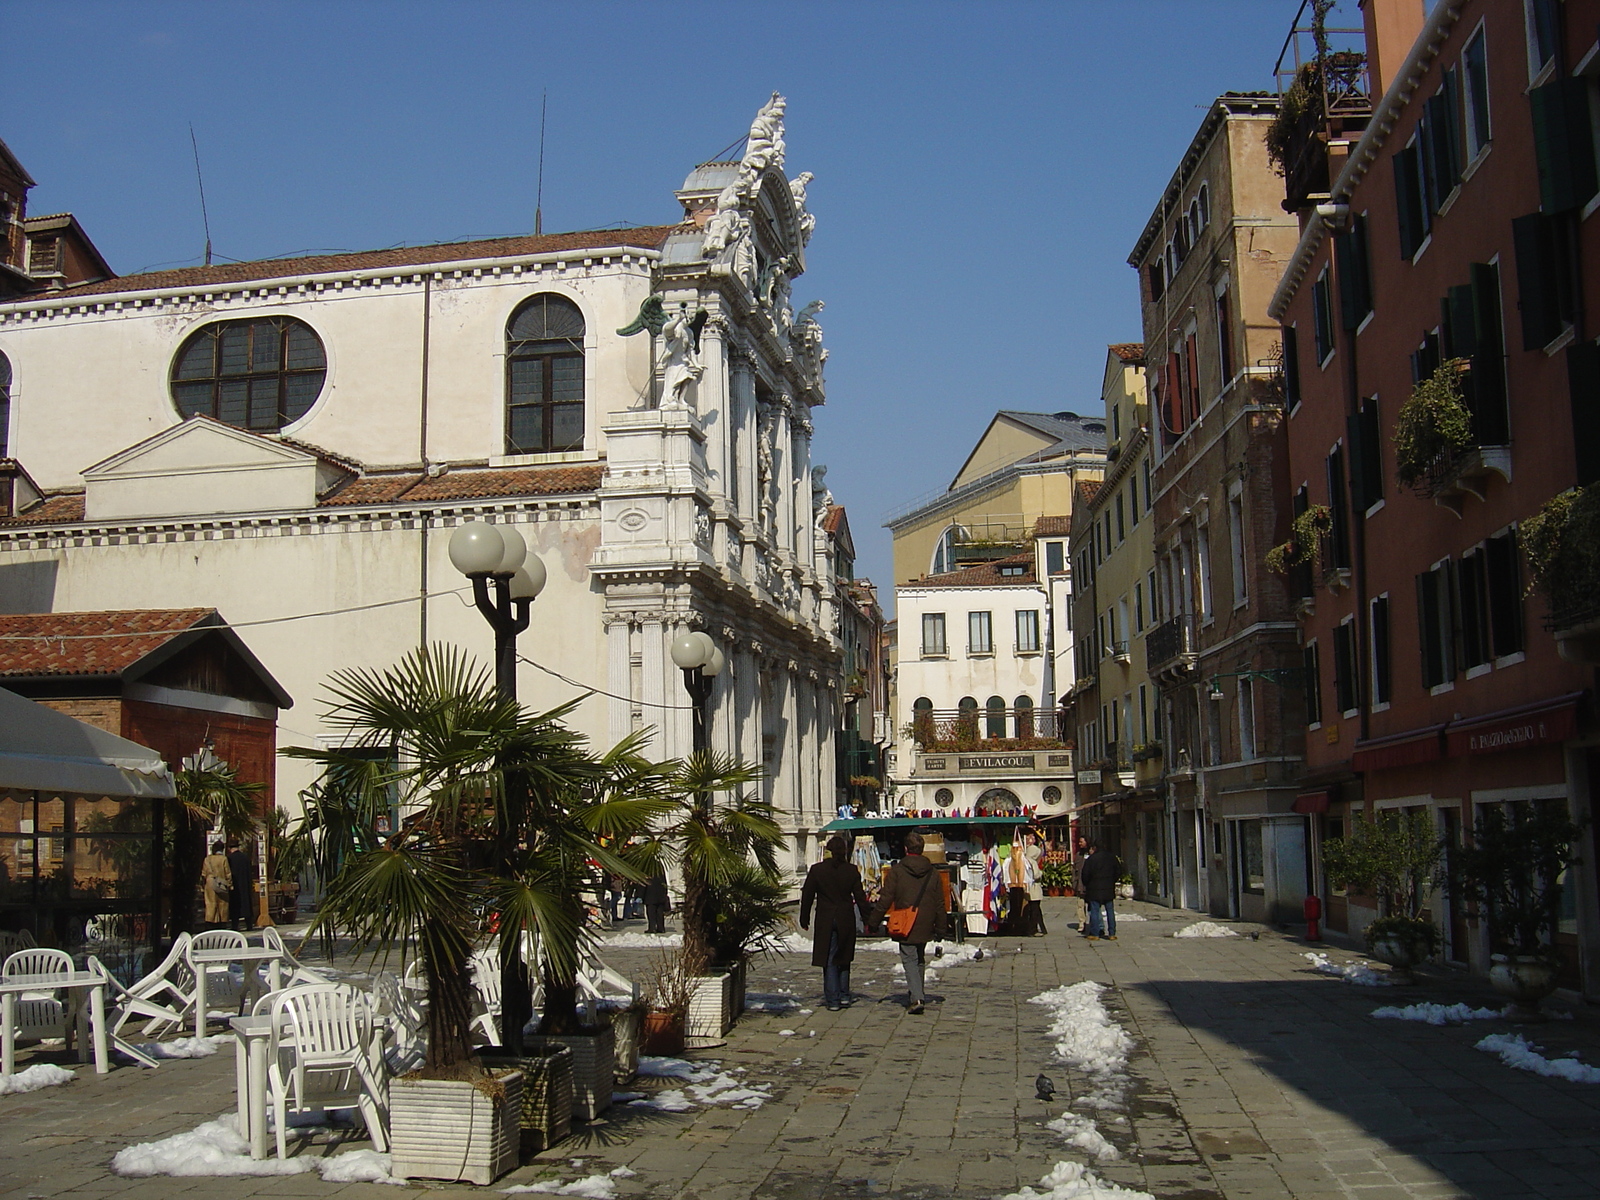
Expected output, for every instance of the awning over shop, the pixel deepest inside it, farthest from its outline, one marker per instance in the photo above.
(43, 750)
(1312, 802)
(860, 824)
(1399, 750)
(1541, 724)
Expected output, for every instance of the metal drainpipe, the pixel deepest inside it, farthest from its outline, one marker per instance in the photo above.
(424, 521)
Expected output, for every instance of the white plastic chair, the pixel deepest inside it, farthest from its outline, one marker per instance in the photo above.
(123, 1005)
(485, 973)
(39, 1014)
(10, 943)
(298, 972)
(407, 1022)
(323, 1059)
(170, 986)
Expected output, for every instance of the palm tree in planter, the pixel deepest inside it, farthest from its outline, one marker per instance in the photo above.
(1514, 869)
(473, 772)
(1395, 859)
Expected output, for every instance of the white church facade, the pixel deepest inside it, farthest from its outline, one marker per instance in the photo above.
(292, 442)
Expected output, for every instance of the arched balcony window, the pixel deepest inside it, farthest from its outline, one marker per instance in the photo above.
(1024, 707)
(544, 376)
(995, 721)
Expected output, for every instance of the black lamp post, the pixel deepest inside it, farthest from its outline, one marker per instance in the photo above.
(505, 580)
(701, 661)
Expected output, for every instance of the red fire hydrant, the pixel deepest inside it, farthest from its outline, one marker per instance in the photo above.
(1313, 911)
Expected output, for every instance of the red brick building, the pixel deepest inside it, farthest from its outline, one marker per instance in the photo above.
(1453, 229)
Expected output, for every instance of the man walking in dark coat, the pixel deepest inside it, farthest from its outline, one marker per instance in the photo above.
(656, 903)
(1101, 870)
(241, 912)
(834, 886)
(916, 883)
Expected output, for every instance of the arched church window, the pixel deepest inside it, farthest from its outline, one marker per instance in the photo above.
(258, 374)
(544, 376)
(1024, 707)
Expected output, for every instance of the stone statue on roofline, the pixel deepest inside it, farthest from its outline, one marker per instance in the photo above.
(806, 221)
(681, 363)
(765, 147)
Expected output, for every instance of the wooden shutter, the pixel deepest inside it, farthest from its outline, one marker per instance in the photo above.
(1474, 610)
(1493, 425)
(1536, 282)
(1380, 650)
(1504, 587)
(1428, 630)
(1405, 199)
(1563, 144)
(1291, 367)
(1583, 390)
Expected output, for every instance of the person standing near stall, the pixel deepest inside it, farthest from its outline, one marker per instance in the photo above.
(1100, 873)
(834, 886)
(1035, 856)
(657, 902)
(217, 883)
(241, 912)
(914, 902)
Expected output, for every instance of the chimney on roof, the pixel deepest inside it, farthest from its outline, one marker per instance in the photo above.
(1391, 28)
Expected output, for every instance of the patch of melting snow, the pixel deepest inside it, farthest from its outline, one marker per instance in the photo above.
(596, 1187)
(1074, 1181)
(217, 1149)
(706, 1083)
(772, 1002)
(1081, 1132)
(1358, 972)
(644, 941)
(1437, 1014)
(32, 1079)
(1206, 929)
(1121, 917)
(187, 1047)
(1517, 1051)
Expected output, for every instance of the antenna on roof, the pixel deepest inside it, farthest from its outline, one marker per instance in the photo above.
(204, 218)
(538, 203)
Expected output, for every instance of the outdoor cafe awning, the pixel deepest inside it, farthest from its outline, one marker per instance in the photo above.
(43, 750)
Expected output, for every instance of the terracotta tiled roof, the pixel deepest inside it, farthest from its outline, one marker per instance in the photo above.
(984, 574)
(649, 237)
(1128, 352)
(1085, 494)
(89, 643)
(1052, 527)
(469, 484)
(830, 523)
(63, 508)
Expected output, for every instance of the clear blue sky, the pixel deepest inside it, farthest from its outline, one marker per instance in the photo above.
(982, 169)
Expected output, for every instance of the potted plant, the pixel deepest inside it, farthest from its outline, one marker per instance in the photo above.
(1562, 545)
(1056, 878)
(469, 766)
(1307, 532)
(1514, 870)
(1395, 859)
(1432, 428)
(668, 991)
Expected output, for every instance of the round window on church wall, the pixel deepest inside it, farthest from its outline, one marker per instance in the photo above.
(259, 374)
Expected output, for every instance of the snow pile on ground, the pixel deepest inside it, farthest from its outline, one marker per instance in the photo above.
(595, 1187)
(217, 1149)
(1088, 1040)
(1074, 1181)
(31, 1079)
(1206, 929)
(706, 1083)
(771, 1002)
(1351, 972)
(1081, 1132)
(187, 1047)
(1121, 917)
(939, 955)
(1516, 1051)
(1437, 1014)
(644, 941)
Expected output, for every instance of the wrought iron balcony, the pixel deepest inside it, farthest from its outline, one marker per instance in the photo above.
(1169, 648)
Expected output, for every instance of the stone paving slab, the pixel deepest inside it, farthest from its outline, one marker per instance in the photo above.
(1252, 1077)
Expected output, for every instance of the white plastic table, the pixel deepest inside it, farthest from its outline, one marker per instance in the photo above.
(252, 1040)
(250, 955)
(91, 981)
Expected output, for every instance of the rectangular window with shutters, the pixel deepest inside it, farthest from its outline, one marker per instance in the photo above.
(1322, 317)
(1313, 684)
(1412, 206)
(1192, 371)
(1475, 94)
(1055, 558)
(1224, 335)
(1345, 683)
(1545, 286)
(1471, 329)
(1504, 586)
(1149, 499)
(980, 633)
(1563, 144)
(1437, 625)
(1472, 603)
(1138, 608)
(1441, 140)
(1378, 633)
(1366, 455)
(1355, 273)
(1236, 542)
(1291, 369)
(1202, 553)
(1338, 543)
(1543, 22)
(1027, 631)
(1122, 524)
(933, 640)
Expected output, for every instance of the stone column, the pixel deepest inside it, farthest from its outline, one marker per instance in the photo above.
(619, 676)
(715, 404)
(654, 641)
(783, 476)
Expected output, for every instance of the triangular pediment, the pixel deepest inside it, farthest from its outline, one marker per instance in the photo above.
(197, 444)
(199, 468)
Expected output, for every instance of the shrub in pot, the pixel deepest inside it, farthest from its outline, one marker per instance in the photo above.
(1513, 870)
(669, 989)
(1056, 878)
(1395, 858)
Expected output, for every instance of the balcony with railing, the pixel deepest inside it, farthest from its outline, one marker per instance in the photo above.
(948, 730)
(1169, 648)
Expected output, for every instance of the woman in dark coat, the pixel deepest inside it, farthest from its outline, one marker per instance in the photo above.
(914, 882)
(834, 886)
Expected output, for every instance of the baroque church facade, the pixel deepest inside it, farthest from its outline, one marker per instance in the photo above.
(293, 441)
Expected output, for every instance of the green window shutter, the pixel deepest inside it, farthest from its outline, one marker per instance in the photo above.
(1536, 297)
(1563, 144)
(1583, 389)
(1405, 187)
(1371, 440)
(1488, 357)
(1428, 629)
(1505, 594)
(1349, 303)
(1460, 340)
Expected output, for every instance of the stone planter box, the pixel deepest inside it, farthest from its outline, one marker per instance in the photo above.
(545, 1116)
(710, 1009)
(627, 1026)
(449, 1129)
(594, 1062)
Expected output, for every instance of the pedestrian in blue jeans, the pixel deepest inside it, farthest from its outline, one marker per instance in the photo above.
(1098, 885)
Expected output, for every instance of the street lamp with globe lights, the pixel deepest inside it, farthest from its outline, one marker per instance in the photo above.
(701, 660)
(497, 555)
(505, 580)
